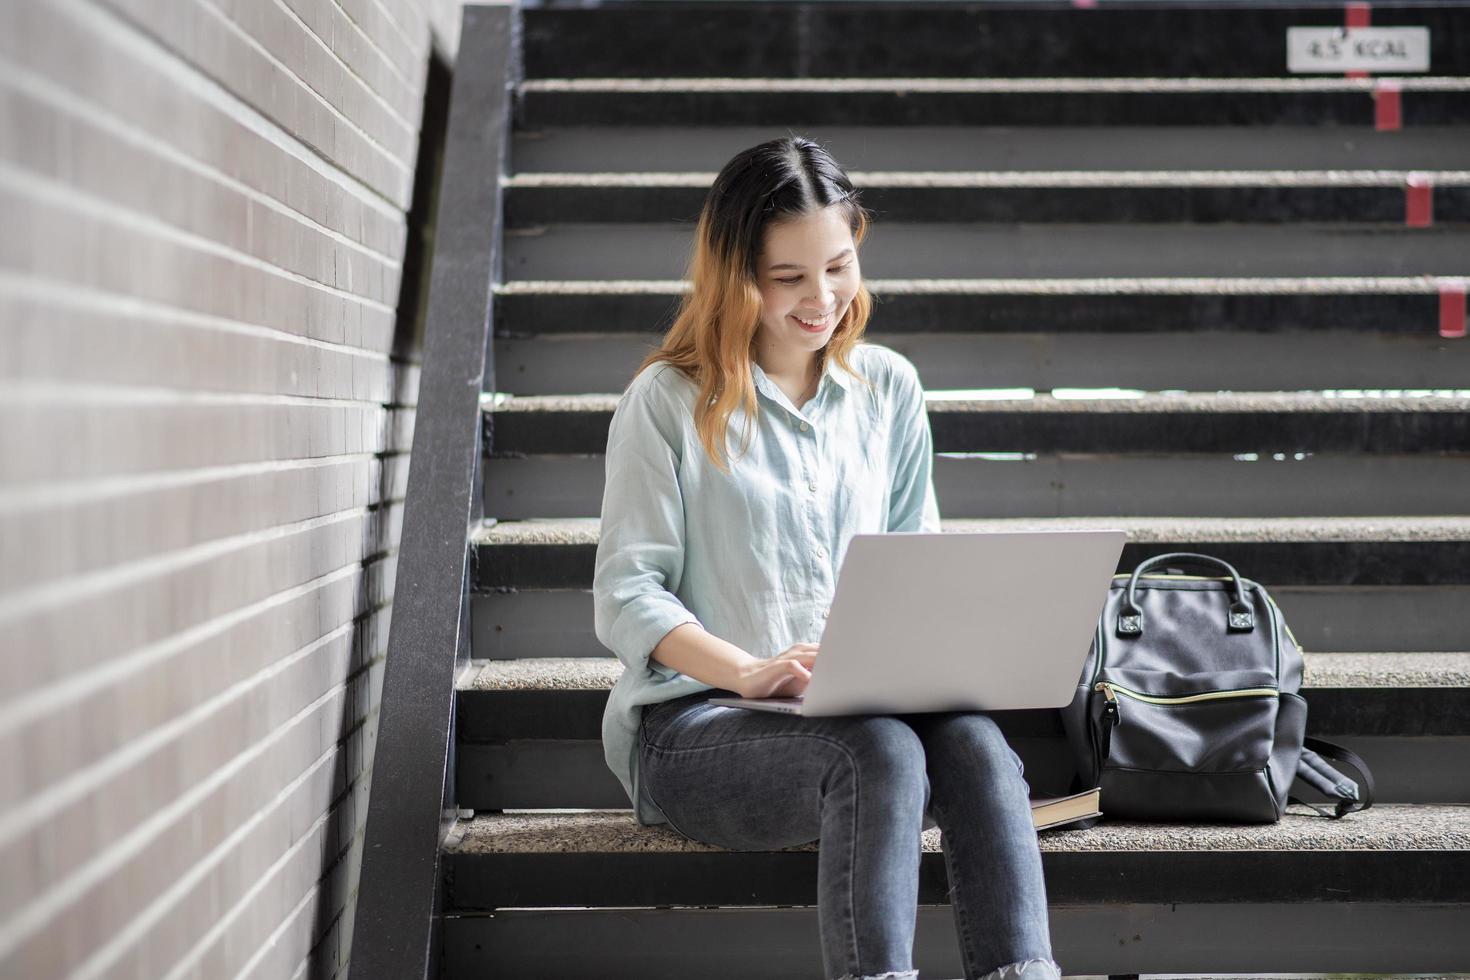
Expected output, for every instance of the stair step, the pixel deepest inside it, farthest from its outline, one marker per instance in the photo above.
(526, 622)
(1319, 551)
(1140, 422)
(1264, 484)
(1070, 339)
(1266, 197)
(572, 894)
(1281, 258)
(1014, 456)
(949, 39)
(1388, 853)
(928, 101)
(1042, 304)
(970, 149)
(1116, 938)
(1380, 694)
(530, 730)
(545, 675)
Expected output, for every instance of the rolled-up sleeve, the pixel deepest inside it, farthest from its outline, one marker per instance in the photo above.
(912, 505)
(640, 550)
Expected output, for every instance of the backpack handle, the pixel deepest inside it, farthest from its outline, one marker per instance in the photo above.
(1130, 618)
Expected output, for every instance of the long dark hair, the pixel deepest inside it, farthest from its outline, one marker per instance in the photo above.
(713, 335)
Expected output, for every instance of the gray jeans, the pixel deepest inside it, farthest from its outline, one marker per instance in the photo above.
(862, 785)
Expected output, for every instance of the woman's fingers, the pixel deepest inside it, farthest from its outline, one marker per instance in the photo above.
(793, 682)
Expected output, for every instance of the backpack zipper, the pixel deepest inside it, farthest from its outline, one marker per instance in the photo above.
(1103, 749)
(1113, 714)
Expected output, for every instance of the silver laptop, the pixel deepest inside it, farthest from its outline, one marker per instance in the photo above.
(963, 621)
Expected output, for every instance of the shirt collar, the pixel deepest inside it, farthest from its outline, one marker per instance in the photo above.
(764, 384)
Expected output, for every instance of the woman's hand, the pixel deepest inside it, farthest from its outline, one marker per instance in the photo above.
(783, 676)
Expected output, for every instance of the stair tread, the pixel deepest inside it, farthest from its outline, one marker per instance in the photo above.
(1028, 285)
(1418, 83)
(1017, 178)
(1391, 827)
(1303, 402)
(1321, 670)
(585, 530)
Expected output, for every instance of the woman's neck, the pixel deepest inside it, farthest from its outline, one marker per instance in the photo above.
(799, 368)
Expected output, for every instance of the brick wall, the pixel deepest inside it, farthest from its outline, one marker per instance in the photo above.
(206, 400)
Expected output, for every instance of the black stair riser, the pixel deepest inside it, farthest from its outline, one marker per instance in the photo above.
(532, 206)
(493, 717)
(868, 153)
(535, 314)
(517, 434)
(1083, 484)
(540, 109)
(1115, 938)
(485, 881)
(570, 566)
(1099, 258)
(532, 774)
(531, 623)
(946, 40)
(1197, 360)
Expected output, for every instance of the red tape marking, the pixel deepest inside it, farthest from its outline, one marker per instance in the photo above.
(1358, 14)
(1418, 201)
(1387, 106)
(1452, 308)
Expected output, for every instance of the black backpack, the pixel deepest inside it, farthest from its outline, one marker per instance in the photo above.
(1188, 707)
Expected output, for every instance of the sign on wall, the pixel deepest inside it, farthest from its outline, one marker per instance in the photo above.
(1371, 49)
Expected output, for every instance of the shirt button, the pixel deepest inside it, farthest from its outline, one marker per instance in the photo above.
(812, 486)
(804, 427)
(825, 612)
(821, 553)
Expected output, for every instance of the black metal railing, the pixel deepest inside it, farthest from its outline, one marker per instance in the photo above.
(411, 803)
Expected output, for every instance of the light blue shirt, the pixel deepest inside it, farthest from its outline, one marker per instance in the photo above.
(751, 556)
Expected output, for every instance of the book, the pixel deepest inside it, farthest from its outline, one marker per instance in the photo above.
(1054, 811)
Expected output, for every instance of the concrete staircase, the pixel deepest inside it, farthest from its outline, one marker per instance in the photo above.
(1149, 280)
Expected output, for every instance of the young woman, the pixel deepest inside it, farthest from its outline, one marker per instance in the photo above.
(713, 574)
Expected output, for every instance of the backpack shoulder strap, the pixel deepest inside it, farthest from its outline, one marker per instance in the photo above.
(1321, 775)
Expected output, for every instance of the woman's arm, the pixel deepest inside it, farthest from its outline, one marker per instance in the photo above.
(640, 561)
(691, 649)
(640, 550)
(912, 503)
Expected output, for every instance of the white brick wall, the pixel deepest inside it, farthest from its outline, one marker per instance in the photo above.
(203, 456)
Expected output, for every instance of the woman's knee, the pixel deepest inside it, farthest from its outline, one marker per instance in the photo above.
(884, 753)
(972, 739)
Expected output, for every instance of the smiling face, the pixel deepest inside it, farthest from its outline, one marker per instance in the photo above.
(808, 272)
